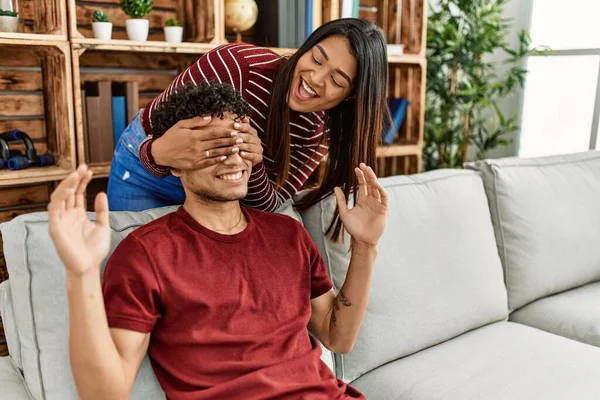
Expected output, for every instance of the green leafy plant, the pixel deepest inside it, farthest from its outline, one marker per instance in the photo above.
(100, 16)
(8, 13)
(463, 87)
(137, 8)
(172, 22)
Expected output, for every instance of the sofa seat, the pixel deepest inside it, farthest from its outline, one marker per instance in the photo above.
(504, 360)
(574, 314)
(12, 383)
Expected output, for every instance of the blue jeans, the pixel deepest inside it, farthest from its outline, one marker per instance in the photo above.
(130, 186)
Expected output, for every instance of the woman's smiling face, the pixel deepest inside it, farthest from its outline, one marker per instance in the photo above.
(323, 77)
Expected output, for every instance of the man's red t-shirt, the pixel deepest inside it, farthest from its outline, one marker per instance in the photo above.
(228, 314)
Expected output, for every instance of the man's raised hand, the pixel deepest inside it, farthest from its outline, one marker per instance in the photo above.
(81, 244)
(365, 221)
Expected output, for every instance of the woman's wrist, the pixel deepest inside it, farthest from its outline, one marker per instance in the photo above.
(154, 153)
(148, 161)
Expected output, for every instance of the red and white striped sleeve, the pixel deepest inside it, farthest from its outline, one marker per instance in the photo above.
(303, 162)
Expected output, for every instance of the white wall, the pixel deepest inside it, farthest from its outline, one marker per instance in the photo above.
(519, 12)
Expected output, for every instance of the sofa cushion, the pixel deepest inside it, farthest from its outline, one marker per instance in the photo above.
(38, 276)
(12, 384)
(437, 274)
(41, 317)
(9, 324)
(502, 361)
(546, 219)
(574, 314)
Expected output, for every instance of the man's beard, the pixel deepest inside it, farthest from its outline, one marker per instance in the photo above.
(207, 196)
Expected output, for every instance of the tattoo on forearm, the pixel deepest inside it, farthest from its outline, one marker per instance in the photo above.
(340, 298)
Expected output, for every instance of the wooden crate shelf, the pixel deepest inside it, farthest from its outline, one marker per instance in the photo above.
(36, 97)
(201, 19)
(141, 47)
(30, 39)
(410, 29)
(398, 150)
(45, 17)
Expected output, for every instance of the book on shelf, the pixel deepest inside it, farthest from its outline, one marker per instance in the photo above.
(108, 107)
(398, 108)
(119, 110)
(133, 100)
(395, 49)
(285, 23)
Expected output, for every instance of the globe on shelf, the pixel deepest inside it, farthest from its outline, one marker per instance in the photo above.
(240, 15)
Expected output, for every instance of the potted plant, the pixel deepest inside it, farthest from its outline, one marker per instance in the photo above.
(173, 31)
(101, 25)
(9, 21)
(137, 26)
(464, 86)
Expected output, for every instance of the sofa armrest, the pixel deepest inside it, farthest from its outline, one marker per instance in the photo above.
(12, 382)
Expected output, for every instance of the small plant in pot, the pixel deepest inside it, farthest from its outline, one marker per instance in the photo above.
(173, 31)
(9, 21)
(101, 25)
(137, 27)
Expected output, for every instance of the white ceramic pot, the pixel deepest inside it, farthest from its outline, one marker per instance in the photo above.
(8, 24)
(102, 30)
(174, 34)
(137, 29)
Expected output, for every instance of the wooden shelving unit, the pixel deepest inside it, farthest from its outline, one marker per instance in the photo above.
(36, 96)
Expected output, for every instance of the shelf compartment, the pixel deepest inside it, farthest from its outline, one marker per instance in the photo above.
(35, 96)
(199, 19)
(42, 17)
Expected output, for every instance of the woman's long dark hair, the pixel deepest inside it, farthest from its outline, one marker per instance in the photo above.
(355, 125)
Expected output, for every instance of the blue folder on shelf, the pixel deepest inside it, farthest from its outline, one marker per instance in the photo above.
(398, 107)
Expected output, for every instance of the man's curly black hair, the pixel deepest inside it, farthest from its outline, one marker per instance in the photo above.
(189, 101)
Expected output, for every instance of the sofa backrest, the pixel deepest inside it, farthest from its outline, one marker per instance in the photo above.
(437, 274)
(546, 215)
(39, 304)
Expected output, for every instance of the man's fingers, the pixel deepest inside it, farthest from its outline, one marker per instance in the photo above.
(66, 187)
(193, 123)
(55, 211)
(362, 183)
(70, 192)
(80, 192)
(341, 200)
(382, 193)
(371, 179)
(101, 208)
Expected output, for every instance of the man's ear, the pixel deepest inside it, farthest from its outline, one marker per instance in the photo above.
(176, 172)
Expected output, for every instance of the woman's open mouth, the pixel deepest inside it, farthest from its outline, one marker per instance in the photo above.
(304, 92)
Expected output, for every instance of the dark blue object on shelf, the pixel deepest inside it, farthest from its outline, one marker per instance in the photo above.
(14, 159)
(398, 107)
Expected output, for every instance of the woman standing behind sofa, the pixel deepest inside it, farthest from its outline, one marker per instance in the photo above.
(327, 98)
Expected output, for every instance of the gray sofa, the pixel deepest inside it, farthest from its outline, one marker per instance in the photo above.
(487, 286)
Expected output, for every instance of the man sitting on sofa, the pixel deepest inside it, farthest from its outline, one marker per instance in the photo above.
(219, 295)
